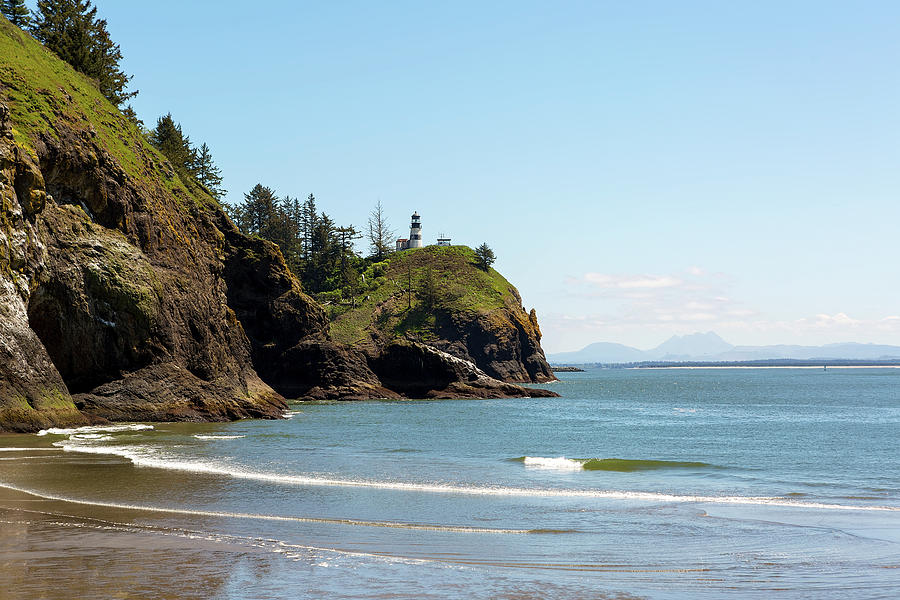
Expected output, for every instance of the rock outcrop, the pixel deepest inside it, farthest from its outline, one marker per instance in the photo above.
(505, 342)
(127, 294)
(471, 314)
(439, 374)
(111, 269)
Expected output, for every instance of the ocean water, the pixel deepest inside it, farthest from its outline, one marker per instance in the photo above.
(675, 483)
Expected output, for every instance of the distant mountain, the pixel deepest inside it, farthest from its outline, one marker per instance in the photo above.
(848, 351)
(710, 347)
(689, 347)
(601, 352)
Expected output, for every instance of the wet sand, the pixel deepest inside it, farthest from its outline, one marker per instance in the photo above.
(49, 550)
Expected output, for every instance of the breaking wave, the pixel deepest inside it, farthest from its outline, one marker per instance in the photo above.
(95, 429)
(622, 465)
(148, 457)
(218, 437)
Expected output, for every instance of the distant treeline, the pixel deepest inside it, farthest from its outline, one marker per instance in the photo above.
(317, 250)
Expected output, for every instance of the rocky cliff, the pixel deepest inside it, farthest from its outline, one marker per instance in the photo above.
(111, 269)
(127, 294)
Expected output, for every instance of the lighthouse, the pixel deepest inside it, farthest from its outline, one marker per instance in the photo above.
(415, 231)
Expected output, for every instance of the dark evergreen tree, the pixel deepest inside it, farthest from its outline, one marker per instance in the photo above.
(321, 274)
(171, 141)
(17, 13)
(207, 173)
(309, 220)
(347, 269)
(132, 116)
(429, 292)
(260, 210)
(291, 211)
(71, 29)
(484, 257)
(317, 251)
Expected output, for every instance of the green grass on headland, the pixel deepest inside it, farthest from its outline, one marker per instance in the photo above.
(45, 95)
(392, 303)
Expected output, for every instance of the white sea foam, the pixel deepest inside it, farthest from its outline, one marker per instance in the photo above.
(97, 437)
(147, 457)
(218, 437)
(91, 429)
(560, 463)
(290, 414)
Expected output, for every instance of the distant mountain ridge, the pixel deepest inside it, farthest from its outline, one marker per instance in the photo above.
(710, 347)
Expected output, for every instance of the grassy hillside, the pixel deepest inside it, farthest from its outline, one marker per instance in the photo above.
(45, 95)
(392, 303)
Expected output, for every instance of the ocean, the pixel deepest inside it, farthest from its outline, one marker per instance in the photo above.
(669, 484)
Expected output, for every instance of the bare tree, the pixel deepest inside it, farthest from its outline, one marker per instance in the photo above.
(380, 235)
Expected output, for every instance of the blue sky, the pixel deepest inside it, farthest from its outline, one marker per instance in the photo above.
(640, 168)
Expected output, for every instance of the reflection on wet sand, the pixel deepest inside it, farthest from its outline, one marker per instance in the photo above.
(43, 555)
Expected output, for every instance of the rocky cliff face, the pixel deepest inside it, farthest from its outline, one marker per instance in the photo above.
(439, 374)
(110, 268)
(127, 295)
(505, 342)
(115, 296)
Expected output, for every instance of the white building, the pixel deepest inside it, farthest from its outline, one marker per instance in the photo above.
(415, 234)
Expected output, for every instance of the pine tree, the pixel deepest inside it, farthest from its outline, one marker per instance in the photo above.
(207, 173)
(429, 292)
(171, 141)
(484, 257)
(309, 219)
(17, 13)
(324, 256)
(71, 29)
(239, 217)
(349, 277)
(320, 253)
(132, 116)
(261, 210)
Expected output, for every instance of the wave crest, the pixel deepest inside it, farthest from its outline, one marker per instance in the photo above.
(92, 429)
(622, 465)
(627, 466)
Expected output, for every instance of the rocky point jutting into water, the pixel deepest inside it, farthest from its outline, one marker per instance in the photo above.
(126, 294)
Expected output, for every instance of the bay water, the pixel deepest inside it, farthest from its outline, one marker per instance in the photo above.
(668, 483)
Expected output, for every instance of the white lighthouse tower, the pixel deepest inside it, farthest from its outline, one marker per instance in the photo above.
(415, 232)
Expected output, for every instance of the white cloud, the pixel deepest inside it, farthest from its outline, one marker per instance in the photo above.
(644, 309)
(628, 282)
(837, 319)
